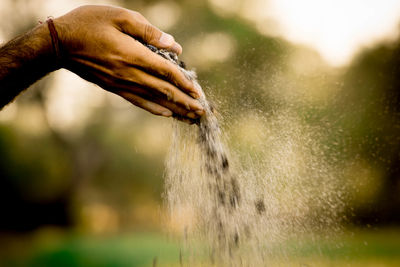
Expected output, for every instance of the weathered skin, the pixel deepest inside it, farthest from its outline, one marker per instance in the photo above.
(100, 44)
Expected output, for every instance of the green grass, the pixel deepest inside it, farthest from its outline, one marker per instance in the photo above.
(139, 249)
(353, 248)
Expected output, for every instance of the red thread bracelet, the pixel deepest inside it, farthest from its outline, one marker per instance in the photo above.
(54, 40)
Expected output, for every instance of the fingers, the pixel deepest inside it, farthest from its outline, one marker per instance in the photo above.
(169, 72)
(152, 107)
(127, 90)
(176, 109)
(131, 82)
(166, 89)
(159, 106)
(135, 25)
(157, 65)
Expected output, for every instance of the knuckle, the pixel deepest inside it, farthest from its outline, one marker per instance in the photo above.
(122, 19)
(150, 33)
(170, 94)
(170, 76)
(126, 16)
(167, 91)
(133, 60)
(168, 72)
(122, 14)
(117, 73)
(138, 16)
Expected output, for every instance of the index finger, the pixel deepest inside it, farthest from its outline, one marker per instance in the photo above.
(155, 64)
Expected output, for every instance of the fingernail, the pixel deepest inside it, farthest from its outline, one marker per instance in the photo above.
(191, 115)
(166, 40)
(197, 106)
(195, 95)
(166, 113)
(199, 112)
(177, 48)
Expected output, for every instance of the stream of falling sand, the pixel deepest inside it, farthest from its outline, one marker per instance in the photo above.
(242, 210)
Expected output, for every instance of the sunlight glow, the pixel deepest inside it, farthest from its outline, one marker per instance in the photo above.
(9, 112)
(209, 48)
(226, 7)
(337, 29)
(71, 100)
(164, 14)
(60, 7)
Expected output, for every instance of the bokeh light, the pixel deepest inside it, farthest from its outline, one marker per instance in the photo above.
(79, 164)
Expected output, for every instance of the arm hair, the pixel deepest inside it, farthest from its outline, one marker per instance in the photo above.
(23, 61)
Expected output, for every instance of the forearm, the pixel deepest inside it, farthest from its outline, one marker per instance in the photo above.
(24, 60)
(99, 43)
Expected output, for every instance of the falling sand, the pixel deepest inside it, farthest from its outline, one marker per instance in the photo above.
(254, 204)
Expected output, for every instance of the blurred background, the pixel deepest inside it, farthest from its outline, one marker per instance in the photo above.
(81, 170)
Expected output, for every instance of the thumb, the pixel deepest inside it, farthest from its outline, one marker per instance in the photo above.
(142, 29)
(166, 40)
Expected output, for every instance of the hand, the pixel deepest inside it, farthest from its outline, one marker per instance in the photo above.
(99, 43)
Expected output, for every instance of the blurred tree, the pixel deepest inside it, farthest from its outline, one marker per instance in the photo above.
(48, 178)
(371, 99)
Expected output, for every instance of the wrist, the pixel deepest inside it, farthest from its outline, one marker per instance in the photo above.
(41, 36)
(24, 60)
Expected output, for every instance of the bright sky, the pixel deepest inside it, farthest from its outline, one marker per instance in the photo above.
(336, 28)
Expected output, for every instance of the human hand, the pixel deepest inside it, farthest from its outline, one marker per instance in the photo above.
(98, 43)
